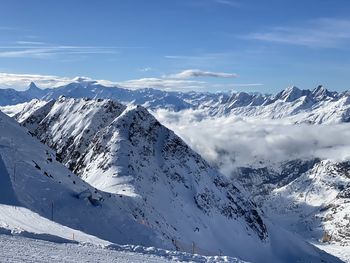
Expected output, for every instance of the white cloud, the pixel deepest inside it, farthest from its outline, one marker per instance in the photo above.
(320, 33)
(191, 73)
(230, 142)
(163, 83)
(32, 53)
(21, 81)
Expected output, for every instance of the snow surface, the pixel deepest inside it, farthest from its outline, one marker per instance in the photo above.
(21, 249)
(25, 109)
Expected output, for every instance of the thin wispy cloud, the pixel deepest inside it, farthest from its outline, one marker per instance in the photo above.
(7, 28)
(27, 53)
(30, 43)
(320, 33)
(179, 81)
(185, 57)
(213, 3)
(21, 81)
(145, 69)
(236, 85)
(164, 84)
(43, 53)
(194, 73)
(228, 3)
(42, 50)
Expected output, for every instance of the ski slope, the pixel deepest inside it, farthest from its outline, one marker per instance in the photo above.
(21, 249)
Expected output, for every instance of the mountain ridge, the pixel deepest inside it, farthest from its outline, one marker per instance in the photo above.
(315, 106)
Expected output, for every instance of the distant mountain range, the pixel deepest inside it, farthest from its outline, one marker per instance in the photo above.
(315, 107)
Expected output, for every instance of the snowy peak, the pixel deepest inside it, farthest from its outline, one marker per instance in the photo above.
(321, 93)
(44, 189)
(292, 93)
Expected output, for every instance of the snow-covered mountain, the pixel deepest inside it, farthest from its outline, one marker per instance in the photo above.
(12, 96)
(309, 197)
(320, 197)
(164, 186)
(300, 106)
(126, 151)
(42, 188)
(269, 156)
(311, 106)
(41, 199)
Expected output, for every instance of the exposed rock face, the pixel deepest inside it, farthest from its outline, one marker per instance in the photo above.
(310, 197)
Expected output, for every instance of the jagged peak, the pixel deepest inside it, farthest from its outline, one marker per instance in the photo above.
(63, 98)
(292, 93)
(32, 86)
(291, 89)
(320, 90)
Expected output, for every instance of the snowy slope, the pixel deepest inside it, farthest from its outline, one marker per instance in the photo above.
(308, 197)
(33, 179)
(320, 198)
(19, 249)
(24, 109)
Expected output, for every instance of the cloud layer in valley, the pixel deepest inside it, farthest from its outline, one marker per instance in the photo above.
(231, 141)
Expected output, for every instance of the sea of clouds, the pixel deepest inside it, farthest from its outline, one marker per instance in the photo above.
(230, 142)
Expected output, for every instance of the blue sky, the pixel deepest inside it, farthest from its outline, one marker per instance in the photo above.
(212, 45)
